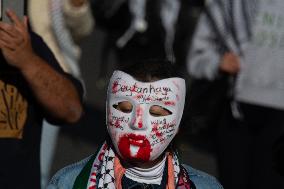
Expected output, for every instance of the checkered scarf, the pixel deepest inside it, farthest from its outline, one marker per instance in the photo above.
(103, 171)
(224, 26)
(231, 20)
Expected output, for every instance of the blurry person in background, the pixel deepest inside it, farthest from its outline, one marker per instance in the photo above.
(141, 29)
(62, 24)
(243, 40)
(145, 104)
(33, 87)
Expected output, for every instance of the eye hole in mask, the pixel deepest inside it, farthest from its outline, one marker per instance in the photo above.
(124, 106)
(155, 110)
(158, 111)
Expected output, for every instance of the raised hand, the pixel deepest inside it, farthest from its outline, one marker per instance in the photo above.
(15, 41)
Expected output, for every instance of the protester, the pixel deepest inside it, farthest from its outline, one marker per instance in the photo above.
(243, 40)
(144, 108)
(33, 87)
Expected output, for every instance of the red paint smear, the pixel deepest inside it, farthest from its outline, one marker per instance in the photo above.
(156, 131)
(158, 134)
(144, 151)
(139, 111)
(114, 87)
(117, 124)
(133, 88)
(140, 124)
(133, 122)
(169, 103)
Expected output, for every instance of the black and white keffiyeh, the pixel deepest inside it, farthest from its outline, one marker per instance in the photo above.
(102, 171)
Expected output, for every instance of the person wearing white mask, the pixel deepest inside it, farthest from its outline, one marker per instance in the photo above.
(144, 108)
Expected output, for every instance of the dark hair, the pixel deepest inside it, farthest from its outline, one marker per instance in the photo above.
(150, 69)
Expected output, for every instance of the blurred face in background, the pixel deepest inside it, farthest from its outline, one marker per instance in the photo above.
(143, 117)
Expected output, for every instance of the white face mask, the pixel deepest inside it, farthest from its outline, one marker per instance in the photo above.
(143, 117)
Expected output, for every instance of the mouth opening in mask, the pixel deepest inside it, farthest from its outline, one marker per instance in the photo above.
(134, 147)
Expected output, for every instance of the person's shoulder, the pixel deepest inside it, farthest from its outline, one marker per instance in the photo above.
(202, 180)
(65, 177)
